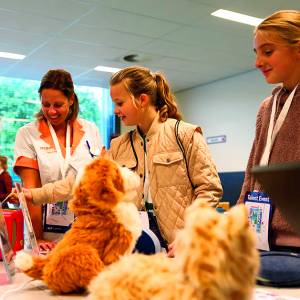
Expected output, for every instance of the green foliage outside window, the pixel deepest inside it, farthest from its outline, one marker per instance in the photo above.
(19, 101)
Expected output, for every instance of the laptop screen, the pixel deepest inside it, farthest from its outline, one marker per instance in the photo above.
(282, 183)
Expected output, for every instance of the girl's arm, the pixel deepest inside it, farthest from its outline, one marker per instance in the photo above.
(60, 190)
(203, 171)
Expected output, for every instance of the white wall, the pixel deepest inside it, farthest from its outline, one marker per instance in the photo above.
(227, 107)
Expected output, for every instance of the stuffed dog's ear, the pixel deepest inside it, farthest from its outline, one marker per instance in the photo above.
(239, 216)
(218, 250)
(131, 182)
(78, 202)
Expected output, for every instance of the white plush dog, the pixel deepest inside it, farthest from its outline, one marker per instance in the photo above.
(216, 259)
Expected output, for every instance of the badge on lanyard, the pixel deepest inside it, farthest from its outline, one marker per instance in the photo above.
(57, 217)
(259, 216)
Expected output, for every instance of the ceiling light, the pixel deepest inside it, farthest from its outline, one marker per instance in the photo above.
(12, 55)
(106, 69)
(236, 17)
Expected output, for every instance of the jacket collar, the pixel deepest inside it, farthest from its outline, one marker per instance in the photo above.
(77, 133)
(154, 126)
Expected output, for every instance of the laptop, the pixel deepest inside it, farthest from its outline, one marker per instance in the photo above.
(282, 183)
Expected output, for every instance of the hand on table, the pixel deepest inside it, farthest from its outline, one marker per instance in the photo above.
(45, 246)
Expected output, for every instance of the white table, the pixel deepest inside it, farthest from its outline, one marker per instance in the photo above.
(36, 290)
(23, 288)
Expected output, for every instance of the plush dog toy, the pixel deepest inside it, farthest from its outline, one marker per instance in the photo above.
(216, 259)
(106, 227)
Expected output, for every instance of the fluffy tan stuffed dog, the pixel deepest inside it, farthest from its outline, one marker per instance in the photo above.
(216, 259)
(105, 228)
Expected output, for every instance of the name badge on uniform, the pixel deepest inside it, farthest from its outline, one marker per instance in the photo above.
(259, 208)
(48, 149)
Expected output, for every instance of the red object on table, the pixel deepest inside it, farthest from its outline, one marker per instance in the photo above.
(15, 228)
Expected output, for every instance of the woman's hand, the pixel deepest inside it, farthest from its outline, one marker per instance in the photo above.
(13, 197)
(45, 246)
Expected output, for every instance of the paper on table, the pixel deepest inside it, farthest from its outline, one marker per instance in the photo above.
(266, 295)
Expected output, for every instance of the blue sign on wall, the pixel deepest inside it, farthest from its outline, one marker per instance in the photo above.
(216, 139)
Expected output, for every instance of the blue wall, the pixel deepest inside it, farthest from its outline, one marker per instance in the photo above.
(232, 184)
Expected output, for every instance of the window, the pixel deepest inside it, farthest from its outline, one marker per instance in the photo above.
(19, 101)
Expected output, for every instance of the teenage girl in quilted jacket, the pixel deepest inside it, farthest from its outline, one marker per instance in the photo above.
(173, 161)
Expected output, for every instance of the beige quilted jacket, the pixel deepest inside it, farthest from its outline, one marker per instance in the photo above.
(170, 187)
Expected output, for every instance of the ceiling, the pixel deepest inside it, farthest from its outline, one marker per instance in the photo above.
(178, 37)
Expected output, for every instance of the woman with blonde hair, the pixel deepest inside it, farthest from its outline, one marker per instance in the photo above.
(277, 139)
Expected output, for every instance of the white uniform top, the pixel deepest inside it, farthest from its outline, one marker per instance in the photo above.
(34, 148)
